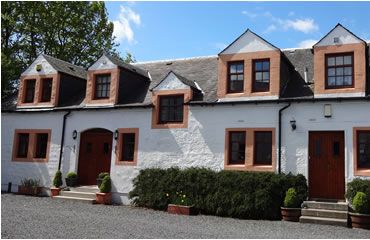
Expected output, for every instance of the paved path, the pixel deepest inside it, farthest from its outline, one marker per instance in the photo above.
(34, 217)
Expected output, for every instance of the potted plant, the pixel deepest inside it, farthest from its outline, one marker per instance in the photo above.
(105, 195)
(57, 182)
(361, 205)
(29, 186)
(181, 204)
(100, 178)
(71, 179)
(292, 206)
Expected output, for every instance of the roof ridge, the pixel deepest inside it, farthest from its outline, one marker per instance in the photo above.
(174, 59)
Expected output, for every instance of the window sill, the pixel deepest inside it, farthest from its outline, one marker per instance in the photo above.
(126, 163)
(33, 160)
(169, 125)
(362, 172)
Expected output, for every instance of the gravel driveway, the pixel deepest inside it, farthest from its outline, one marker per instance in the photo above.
(34, 217)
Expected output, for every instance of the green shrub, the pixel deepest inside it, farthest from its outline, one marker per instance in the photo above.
(251, 195)
(106, 185)
(361, 203)
(291, 199)
(57, 181)
(357, 185)
(103, 174)
(71, 175)
(29, 182)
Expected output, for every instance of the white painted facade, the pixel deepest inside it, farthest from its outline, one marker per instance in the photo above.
(340, 35)
(199, 145)
(102, 63)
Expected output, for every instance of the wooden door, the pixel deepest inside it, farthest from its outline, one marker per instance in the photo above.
(326, 165)
(95, 155)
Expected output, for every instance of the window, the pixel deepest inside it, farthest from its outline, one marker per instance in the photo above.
(46, 89)
(29, 90)
(128, 147)
(102, 86)
(31, 145)
(263, 148)
(261, 75)
(171, 108)
(363, 149)
(235, 77)
(41, 145)
(23, 140)
(237, 147)
(339, 70)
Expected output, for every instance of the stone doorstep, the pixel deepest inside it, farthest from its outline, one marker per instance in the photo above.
(325, 213)
(88, 189)
(86, 195)
(338, 206)
(324, 221)
(86, 200)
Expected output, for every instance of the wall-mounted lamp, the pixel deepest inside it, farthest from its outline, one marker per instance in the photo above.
(293, 124)
(116, 134)
(74, 134)
(327, 111)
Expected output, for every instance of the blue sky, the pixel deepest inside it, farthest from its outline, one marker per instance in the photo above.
(166, 30)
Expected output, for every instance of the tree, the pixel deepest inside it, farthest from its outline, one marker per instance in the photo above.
(76, 32)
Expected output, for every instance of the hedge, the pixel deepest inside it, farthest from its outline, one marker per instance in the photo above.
(248, 195)
(357, 185)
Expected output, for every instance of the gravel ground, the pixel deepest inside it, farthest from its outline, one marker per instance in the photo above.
(36, 217)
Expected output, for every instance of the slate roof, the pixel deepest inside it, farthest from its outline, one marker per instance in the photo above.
(127, 66)
(66, 67)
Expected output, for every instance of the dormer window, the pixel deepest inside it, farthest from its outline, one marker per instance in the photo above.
(46, 87)
(102, 86)
(261, 75)
(235, 83)
(339, 70)
(171, 108)
(29, 90)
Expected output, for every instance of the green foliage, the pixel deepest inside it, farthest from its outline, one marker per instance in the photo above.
(74, 31)
(106, 185)
(361, 203)
(57, 181)
(291, 199)
(29, 182)
(179, 198)
(248, 195)
(71, 175)
(103, 174)
(357, 185)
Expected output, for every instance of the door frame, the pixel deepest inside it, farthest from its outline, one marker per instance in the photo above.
(344, 164)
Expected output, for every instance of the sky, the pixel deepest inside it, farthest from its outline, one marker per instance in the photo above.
(169, 30)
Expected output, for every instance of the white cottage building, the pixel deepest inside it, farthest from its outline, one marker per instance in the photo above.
(252, 107)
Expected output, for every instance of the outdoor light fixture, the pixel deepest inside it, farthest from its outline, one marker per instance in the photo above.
(116, 134)
(327, 110)
(293, 124)
(74, 134)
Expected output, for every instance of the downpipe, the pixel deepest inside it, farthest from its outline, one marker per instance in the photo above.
(62, 141)
(280, 128)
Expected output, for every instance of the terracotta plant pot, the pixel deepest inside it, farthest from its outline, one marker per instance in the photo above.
(290, 214)
(359, 220)
(104, 198)
(54, 191)
(33, 191)
(182, 210)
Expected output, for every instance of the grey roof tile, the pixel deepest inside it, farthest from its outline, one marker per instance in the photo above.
(66, 67)
(127, 66)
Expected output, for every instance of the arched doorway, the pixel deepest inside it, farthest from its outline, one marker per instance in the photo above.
(95, 155)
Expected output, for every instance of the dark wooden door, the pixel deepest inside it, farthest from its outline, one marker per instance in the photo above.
(95, 155)
(326, 165)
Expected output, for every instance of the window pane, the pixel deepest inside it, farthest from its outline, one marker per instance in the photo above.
(331, 61)
(263, 148)
(339, 60)
(102, 86)
(46, 89)
(339, 71)
(348, 71)
(348, 60)
(240, 77)
(348, 80)
(232, 68)
(30, 91)
(236, 73)
(363, 149)
(266, 76)
(258, 76)
(331, 71)
(171, 108)
(266, 65)
(236, 85)
(240, 68)
(128, 146)
(339, 81)
(258, 66)
(236, 147)
(41, 145)
(23, 139)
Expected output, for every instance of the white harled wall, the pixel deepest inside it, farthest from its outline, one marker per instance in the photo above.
(201, 144)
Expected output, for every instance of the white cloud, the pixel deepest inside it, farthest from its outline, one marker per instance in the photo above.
(308, 43)
(291, 13)
(270, 28)
(250, 14)
(123, 25)
(303, 25)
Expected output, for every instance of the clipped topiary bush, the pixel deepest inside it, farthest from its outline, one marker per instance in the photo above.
(357, 185)
(291, 199)
(57, 181)
(103, 174)
(71, 175)
(250, 195)
(361, 203)
(106, 185)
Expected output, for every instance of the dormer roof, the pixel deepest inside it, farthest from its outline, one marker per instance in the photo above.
(182, 79)
(248, 42)
(66, 67)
